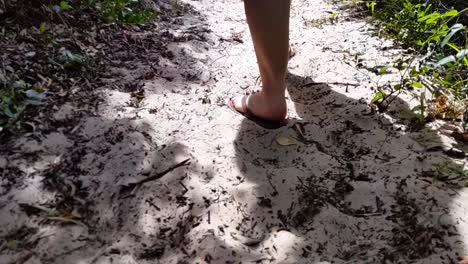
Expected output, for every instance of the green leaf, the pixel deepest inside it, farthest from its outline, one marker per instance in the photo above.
(7, 111)
(433, 20)
(454, 47)
(446, 60)
(430, 17)
(382, 71)
(378, 96)
(43, 28)
(371, 6)
(451, 13)
(33, 95)
(462, 54)
(417, 108)
(73, 57)
(19, 84)
(417, 85)
(453, 30)
(65, 6)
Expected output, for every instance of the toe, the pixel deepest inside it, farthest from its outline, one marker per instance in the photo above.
(237, 103)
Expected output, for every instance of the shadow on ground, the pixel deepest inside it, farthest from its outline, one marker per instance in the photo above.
(163, 57)
(354, 189)
(61, 198)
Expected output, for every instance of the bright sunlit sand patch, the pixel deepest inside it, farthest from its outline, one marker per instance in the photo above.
(284, 246)
(33, 193)
(147, 222)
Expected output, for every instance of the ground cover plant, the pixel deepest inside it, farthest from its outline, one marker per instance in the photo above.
(52, 54)
(436, 33)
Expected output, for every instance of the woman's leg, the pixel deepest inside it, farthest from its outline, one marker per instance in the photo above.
(269, 26)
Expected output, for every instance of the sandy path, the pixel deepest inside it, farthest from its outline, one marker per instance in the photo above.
(359, 188)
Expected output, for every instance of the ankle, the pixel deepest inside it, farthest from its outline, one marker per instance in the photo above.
(273, 94)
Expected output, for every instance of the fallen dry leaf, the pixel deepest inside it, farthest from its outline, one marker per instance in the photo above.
(443, 108)
(65, 220)
(286, 141)
(247, 241)
(463, 137)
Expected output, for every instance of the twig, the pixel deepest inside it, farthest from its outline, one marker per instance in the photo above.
(328, 83)
(183, 186)
(398, 161)
(156, 176)
(275, 191)
(368, 214)
(383, 143)
(153, 204)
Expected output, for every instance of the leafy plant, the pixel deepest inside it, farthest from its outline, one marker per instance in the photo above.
(71, 60)
(65, 6)
(119, 11)
(125, 11)
(439, 65)
(444, 172)
(14, 98)
(371, 6)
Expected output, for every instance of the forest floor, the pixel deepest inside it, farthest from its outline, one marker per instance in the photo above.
(339, 184)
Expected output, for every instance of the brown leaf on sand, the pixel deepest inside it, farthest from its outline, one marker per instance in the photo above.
(463, 137)
(247, 241)
(286, 141)
(443, 108)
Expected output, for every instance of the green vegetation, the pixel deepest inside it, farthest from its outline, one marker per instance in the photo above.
(14, 97)
(439, 38)
(50, 56)
(123, 11)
